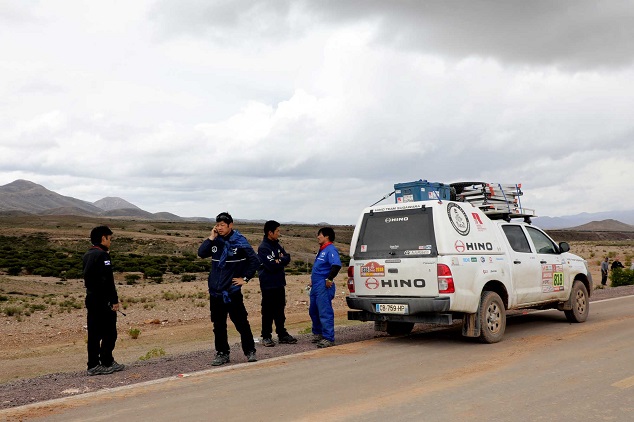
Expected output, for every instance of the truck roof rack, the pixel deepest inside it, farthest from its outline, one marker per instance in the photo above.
(496, 200)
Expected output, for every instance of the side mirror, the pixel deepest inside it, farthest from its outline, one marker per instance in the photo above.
(564, 247)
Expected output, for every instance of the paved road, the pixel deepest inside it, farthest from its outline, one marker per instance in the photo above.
(544, 369)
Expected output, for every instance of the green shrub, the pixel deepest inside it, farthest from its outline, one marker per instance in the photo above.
(13, 310)
(622, 277)
(185, 278)
(131, 279)
(154, 353)
(134, 333)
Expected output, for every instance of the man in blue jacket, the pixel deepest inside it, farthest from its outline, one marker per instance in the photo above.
(233, 264)
(322, 291)
(272, 281)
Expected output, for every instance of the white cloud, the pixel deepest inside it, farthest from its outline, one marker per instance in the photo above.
(309, 111)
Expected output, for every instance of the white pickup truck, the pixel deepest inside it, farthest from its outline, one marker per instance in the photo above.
(436, 261)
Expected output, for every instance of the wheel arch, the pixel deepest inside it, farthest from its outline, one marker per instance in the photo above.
(499, 288)
(585, 280)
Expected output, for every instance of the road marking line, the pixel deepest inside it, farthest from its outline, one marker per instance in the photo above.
(624, 383)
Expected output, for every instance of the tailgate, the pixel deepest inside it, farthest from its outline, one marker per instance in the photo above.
(396, 277)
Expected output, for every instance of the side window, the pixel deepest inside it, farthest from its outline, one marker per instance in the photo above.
(517, 238)
(542, 243)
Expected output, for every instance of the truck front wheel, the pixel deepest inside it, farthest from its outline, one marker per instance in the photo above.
(399, 328)
(492, 317)
(580, 305)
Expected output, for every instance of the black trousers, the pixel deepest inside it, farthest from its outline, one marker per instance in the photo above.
(102, 333)
(273, 304)
(219, 310)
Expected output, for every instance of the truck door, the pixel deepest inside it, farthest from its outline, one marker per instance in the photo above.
(525, 267)
(553, 283)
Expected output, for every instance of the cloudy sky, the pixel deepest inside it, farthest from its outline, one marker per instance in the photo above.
(311, 110)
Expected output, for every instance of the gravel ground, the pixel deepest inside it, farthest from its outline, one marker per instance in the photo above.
(52, 386)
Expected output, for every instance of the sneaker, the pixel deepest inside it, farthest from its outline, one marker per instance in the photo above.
(316, 338)
(287, 339)
(268, 342)
(325, 343)
(116, 367)
(251, 356)
(220, 359)
(100, 370)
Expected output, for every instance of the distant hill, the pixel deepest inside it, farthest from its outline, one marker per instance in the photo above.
(567, 221)
(604, 226)
(23, 197)
(110, 203)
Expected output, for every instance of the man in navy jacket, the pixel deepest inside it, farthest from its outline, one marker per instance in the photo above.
(233, 264)
(272, 281)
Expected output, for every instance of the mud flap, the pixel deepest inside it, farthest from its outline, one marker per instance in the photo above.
(471, 325)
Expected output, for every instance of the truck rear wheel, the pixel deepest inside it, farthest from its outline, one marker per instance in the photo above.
(399, 328)
(492, 317)
(580, 305)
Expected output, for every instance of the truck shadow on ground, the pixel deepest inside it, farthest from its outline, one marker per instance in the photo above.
(518, 323)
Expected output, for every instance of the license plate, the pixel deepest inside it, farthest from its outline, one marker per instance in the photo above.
(391, 308)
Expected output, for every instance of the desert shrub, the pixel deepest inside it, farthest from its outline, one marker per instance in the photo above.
(134, 333)
(154, 353)
(185, 278)
(152, 273)
(131, 278)
(622, 277)
(4, 298)
(13, 310)
(14, 270)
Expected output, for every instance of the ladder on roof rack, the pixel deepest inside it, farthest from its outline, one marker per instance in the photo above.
(496, 200)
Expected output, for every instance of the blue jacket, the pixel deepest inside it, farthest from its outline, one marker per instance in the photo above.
(271, 273)
(231, 256)
(324, 261)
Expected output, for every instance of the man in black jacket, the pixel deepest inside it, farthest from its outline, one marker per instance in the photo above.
(102, 304)
(233, 264)
(272, 281)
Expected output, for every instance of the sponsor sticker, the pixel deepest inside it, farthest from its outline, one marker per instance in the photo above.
(364, 248)
(106, 263)
(459, 246)
(417, 252)
(552, 278)
(458, 219)
(372, 269)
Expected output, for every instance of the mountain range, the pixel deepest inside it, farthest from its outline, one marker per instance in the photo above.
(25, 197)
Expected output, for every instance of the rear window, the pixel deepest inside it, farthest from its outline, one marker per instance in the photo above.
(397, 234)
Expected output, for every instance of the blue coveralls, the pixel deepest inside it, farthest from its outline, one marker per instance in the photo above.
(320, 310)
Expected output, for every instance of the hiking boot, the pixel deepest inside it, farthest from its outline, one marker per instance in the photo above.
(287, 339)
(268, 342)
(316, 338)
(325, 343)
(100, 370)
(220, 359)
(116, 367)
(251, 356)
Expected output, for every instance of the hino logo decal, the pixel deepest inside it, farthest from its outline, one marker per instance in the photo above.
(396, 219)
(480, 246)
(417, 282)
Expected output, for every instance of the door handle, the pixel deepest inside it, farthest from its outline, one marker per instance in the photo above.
(542, 262)
(517, 262)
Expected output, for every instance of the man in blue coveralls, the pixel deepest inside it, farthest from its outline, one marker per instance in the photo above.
(322, 292)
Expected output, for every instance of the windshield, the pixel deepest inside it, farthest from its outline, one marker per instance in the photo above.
(407, 233)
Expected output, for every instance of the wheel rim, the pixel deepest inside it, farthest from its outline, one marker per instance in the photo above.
(494, 315)
(581, 302)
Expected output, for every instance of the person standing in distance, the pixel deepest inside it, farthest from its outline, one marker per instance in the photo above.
(272, 284)
(604, 272)
(102, 304)
(233, 264)
(322, 291)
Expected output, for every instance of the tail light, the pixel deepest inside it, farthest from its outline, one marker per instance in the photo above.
(351, 279)
(445, 279)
